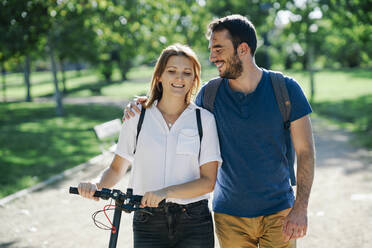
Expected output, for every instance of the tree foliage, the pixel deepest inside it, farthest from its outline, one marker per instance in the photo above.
(113, 34)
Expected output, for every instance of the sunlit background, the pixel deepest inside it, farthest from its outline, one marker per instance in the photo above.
(68, 65)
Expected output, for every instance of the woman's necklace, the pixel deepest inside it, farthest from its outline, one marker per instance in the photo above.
(171, 119)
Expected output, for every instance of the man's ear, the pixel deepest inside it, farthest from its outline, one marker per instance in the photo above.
(243, 49)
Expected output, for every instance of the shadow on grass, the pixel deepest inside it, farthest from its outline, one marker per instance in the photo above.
(35, 144)
(357, 111)
(11, 244)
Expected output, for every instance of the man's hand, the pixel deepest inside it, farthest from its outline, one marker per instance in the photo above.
(152, 198)
(132, 106)
(295, 224)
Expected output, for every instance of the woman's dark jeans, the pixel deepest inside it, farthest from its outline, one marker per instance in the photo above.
(174, 225)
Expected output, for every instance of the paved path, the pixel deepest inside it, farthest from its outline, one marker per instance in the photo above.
(340, 211)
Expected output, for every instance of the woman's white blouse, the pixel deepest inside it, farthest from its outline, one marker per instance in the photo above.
(166, 157)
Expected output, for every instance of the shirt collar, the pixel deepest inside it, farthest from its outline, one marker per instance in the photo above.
(191, 106)
(240, 95)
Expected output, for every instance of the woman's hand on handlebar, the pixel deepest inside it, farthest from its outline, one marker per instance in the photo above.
(87, 190)
(152, 198)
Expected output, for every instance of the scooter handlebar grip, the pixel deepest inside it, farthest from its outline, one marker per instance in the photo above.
(74, 190)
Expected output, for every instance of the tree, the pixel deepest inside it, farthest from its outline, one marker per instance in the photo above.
(305, 26)
(349, 40)
(22, 24)
(72, 35)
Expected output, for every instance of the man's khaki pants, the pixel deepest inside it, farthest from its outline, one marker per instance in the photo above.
(262, 231)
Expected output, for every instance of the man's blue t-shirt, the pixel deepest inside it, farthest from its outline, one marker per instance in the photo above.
(254, 177)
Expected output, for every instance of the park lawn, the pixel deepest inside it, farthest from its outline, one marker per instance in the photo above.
(35, 144)
(330, 85)
(336, 85)
(42, 83)
(345, 97)
(42, 77)
(138, 82)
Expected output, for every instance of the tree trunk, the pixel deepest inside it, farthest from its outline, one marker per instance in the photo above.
(267, 60)
(57, 94)
(311, 71)
(27, 71)
(62, 66)
(3, 71)
(124, 68)
(78, 69)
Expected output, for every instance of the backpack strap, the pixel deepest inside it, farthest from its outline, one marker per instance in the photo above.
(210, 93)
(281, 95)
(198, 121)
(282, 99)
(139, 126)
(200, 127)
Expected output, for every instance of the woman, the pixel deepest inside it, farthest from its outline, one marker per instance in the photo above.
(170, 160)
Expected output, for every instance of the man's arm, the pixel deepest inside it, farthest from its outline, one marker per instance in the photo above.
(295, 224)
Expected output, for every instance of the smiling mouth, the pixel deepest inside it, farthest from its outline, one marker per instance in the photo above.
(178, 86)
(219, 64)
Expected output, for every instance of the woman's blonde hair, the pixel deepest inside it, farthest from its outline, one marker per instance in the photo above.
(156, 89)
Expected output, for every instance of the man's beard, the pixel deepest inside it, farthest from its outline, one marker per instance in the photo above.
(234, 68)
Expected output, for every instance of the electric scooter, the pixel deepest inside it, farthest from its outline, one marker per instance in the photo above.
(123, 202)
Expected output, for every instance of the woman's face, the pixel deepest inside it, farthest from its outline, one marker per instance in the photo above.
(178, 76)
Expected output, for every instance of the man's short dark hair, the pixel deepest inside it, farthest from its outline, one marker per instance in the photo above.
(240, 30)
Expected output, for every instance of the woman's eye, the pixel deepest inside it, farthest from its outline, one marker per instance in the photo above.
(171, 71)
(187, 73)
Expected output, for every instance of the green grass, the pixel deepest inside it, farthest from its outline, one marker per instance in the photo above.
(42, 83)
(355, 113)
(336, 85)
(330, 85)
(138, 83)
(35, 144)
(344, 97)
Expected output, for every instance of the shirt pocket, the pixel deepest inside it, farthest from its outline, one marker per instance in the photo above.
(188, 142)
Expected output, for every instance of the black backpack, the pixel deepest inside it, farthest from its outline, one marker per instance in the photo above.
(284, 104)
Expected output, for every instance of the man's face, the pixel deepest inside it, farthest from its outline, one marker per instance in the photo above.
(223, 55)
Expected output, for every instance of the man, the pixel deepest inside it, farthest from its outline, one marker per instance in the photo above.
(253, 201)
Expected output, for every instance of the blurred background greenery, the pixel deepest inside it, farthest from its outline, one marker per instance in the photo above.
(86, 48)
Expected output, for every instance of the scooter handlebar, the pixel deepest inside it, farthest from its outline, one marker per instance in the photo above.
(74, 190)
